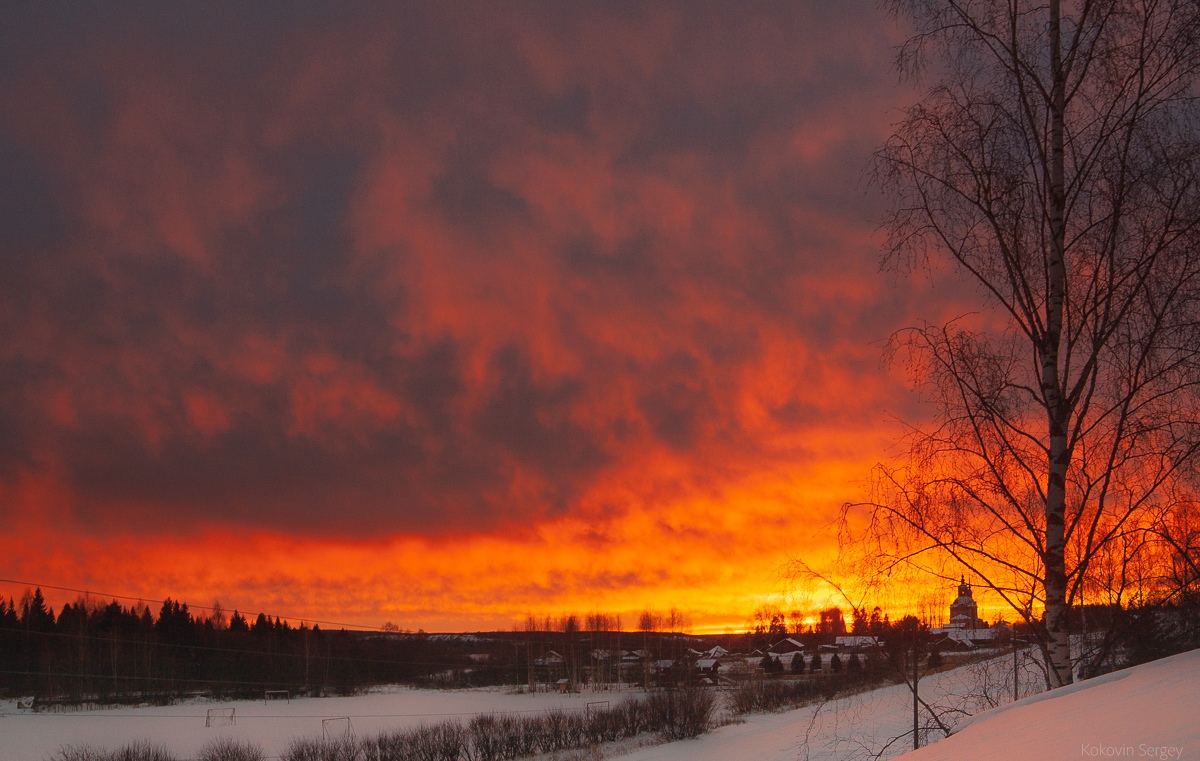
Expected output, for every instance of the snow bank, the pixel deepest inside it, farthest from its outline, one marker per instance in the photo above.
(1150, 711)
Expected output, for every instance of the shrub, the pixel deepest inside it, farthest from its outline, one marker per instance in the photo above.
(304, 749)
(756, 696)
(139, 750)
(487, 743)
(439, 742)
(79, 753)
(228, 749)
(680, 714)
(635, 718)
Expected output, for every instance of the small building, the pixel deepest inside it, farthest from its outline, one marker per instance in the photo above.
(708, 666)
(784, 646)
(856, 642)
(990, 637)
(950, 641)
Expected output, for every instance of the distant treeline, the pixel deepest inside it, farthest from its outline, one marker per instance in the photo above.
(94, 651)
(109, 652)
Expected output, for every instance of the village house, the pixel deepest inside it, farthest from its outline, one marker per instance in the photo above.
(785, 646)
(708, 666)
(856, 642)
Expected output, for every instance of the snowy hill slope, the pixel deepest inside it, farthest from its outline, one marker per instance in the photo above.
(1156, 705)
(1150, 711)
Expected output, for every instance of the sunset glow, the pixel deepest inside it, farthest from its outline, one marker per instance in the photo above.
(444, 315)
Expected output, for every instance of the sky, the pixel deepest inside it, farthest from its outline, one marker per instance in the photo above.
(444, 313)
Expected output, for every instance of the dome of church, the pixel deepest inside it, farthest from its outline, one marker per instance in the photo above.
(963, 611)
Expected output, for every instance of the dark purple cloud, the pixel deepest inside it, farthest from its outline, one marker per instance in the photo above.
(433, 268)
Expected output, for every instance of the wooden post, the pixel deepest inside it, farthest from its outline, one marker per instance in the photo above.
(1016, 689)
(916, 734)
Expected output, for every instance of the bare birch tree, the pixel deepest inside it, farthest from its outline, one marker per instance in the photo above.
(1054, 161)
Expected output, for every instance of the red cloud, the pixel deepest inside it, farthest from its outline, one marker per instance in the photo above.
(552, 308)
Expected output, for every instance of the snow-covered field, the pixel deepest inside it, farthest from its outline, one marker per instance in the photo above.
(28, 736)
(1125, 714)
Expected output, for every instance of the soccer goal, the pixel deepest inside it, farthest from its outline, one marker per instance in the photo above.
(337, 728)
(220, 717)
(595, 706)
(277, 695)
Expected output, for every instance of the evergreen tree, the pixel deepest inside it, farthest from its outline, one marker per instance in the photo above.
(262, 625)
(855, 664)
(8, 614)
(35, 615)
(767, 663)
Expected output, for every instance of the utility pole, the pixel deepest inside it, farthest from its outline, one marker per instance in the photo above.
(916, 733)
(1016, 682)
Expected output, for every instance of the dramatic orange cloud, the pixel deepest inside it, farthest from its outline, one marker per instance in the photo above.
(442, 314)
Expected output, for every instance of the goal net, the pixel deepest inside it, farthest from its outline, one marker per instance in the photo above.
(337, 728)
(220, 717)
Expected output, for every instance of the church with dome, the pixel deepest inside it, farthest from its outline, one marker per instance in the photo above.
(964, 614)
(966, 629)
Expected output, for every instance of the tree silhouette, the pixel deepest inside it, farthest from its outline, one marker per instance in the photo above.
(1055, 163)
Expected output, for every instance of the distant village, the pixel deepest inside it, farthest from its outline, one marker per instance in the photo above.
(109, 653)
(664, 659)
